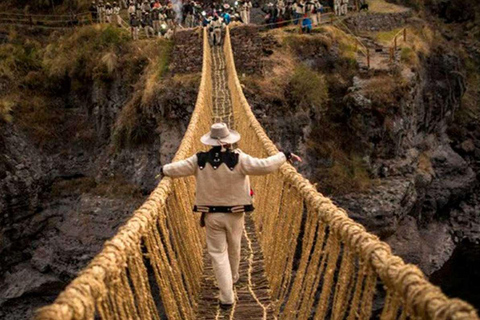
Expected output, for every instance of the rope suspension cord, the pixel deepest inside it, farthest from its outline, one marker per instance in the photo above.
(336, 275)
(329, 236)
(115, 285)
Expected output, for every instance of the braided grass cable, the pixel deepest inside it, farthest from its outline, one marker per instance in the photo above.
(104, 288)
(404, 283)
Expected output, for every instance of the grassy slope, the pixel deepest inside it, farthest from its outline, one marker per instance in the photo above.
(37, 70)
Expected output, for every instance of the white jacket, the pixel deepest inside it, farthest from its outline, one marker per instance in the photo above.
(223, 186)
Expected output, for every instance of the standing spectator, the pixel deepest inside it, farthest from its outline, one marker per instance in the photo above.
(108, 13)
(116, 14)
(138, 9)
(170, 13)
(288, 13)
(156, 20)
(131, 9)
(336, 7)
(145, 6)
(248, 9)
(281, 8)
(344, 7)
(319, 10)
(134, 26)
(101, 12)
(188, 14)
(147, 25)
(93, 12)
(298, 10)
(242, 7)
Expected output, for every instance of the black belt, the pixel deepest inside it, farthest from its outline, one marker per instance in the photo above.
(225, 209)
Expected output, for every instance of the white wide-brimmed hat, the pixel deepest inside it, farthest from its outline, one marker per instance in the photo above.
(220, 134)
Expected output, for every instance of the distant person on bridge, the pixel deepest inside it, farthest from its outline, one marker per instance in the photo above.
(223, 195)
(216, 26)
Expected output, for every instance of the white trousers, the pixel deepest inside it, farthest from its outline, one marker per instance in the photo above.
(337, 8)
(244, 16)
(224, 239)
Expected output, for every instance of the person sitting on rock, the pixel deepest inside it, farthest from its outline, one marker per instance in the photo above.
(306, 24)
(223, 195)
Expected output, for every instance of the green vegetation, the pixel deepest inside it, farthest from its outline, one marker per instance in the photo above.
(382, 6)
(89, 53)
(469, 113)
(309, 90)
(5, 110)
(408, 56)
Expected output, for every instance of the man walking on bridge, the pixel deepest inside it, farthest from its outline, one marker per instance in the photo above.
(223, 195)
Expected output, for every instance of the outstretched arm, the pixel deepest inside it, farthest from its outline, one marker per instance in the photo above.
(181, 168)
(256, 166)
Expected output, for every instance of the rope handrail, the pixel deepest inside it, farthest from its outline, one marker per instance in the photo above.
(405, 283)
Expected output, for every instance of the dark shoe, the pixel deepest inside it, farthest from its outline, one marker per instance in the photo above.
(225, 306)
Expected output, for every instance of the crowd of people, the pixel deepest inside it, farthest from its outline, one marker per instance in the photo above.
(161, 17)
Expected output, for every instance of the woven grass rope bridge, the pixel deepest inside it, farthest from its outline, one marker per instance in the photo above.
(302, 256)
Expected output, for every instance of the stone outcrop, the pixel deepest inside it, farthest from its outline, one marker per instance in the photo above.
(378, 21)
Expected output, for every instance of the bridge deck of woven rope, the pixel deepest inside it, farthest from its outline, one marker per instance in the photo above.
(252, 294)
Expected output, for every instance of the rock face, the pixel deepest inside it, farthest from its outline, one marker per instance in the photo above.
(423, 196)
(378, 21)
(59, 202)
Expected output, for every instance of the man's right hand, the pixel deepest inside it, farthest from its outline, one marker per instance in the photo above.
(295, 158)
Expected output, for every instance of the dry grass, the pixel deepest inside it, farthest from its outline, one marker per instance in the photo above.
(347, 43)
(6, 107)
(419, 41)
(384, 91)
(90, 52)
(272, 85)
(37, 75)
(381, 6)
(343, 170)
(425, 164)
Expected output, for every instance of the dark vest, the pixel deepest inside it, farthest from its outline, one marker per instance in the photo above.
(216, 157)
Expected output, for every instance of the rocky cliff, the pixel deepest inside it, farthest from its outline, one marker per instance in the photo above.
(66, 187)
